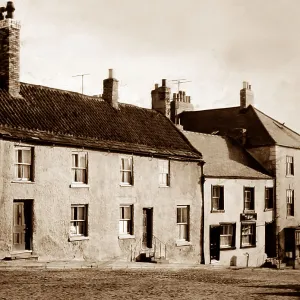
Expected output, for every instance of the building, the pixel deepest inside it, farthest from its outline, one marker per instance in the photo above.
(238, 203)
(88, 177)
(275, 146)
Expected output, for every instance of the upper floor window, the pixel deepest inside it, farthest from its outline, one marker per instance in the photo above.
(79, 167)
(269, 198)
(126, 219)
(227, 235)
(164, 172)
(78, 223)
(126, 170)
(289, 165)
(290, 202)
(248, 198)
(23, 163)
(217, 198)
(183, 214)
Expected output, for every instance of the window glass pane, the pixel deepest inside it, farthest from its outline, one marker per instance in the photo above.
(184, 215)
(215, 203)
(126, 177)
(26, 171)
(80, 213)
(26, 156)
(74, 160)
(179, 215)
(127, 212)
(182, 234)
(73, 213)
(82, 160)
(19, 156)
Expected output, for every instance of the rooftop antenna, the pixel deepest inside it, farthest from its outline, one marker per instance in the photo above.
(179, 81)
(82, 75)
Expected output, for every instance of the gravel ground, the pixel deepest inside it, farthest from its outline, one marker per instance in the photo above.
(149, 284)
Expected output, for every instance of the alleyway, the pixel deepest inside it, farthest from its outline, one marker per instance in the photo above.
(149, 284)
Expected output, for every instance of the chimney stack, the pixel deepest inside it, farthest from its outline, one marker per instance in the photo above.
(161, 98)
(9, 51)
(110, 90)
(246, 96)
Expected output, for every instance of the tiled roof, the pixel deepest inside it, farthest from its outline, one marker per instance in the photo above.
(49, 115)
(262, 130)
(225, 158)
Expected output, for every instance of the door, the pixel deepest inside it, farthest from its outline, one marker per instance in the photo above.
(214, 237)
(147, 227)
(270, 239)
(19, 226)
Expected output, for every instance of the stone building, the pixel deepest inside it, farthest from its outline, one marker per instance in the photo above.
(276, 147)
(88, 177)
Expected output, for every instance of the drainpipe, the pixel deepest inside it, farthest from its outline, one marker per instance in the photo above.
(247, 259)
(202, 181)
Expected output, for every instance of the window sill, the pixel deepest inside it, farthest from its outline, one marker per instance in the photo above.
(248, 246)
(126, 236)
(290, 217)
(250, 211)
(79, 185)
(22, 181)
(126, 184)
(227, 248)
(268, 209)
(217, 211)
(183, 243)
(163, 186)
(289, 176)
(78, 238)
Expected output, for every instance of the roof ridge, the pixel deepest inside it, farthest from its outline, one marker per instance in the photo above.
(219, 108)
(201, 133)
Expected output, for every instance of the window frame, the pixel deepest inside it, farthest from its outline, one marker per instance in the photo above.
(162, 172)
(185, 224)
(290, 165)
(130, 171)
(290, 204)
(253, 234)
(220, 198)
(129, 233)
(252, 189)
(79, 236)
(233, 236)
(17, 164)
(75, 168)
(269, 199)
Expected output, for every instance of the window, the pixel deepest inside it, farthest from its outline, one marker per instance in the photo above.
(248, 198)
(78, 226)
(126, 171)
(248, 235)
(297, 238)
(269, 198)
(23, 163)
(289, 165)
(126, 219)
(290, 202)
(227, 236)
(79, 167)
(164, 172)
(217, 198)
(183, 223)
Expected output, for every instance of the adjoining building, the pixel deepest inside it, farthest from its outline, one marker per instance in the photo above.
(88, 177)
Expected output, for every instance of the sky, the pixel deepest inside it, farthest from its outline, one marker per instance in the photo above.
(214, 44)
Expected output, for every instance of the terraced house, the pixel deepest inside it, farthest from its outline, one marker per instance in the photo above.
(88, 177)
(276, 147)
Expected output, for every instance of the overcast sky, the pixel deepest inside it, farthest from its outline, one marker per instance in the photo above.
(216, 44)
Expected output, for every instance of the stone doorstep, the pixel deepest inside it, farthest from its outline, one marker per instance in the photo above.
(24, 255)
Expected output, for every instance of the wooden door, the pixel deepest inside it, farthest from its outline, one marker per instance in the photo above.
(214, 242)
(18, 226)
(147, 227)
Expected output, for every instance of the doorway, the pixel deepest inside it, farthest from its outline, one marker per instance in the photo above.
(270, 239)
(214, 240)
(22, 225)
(147, 227)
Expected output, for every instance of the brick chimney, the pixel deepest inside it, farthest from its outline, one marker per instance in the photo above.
(161, 99)
(9, 51)
(110, 90)
(181, 102)
(246, 96)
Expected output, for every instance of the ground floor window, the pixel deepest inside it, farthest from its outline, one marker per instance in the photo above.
(183, 212)
(248, 234)
(126, 219)
(78, 224)
(227, 236)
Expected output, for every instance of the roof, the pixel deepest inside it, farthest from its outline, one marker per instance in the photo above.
(225, 158)
(45, 114)
(262, 130)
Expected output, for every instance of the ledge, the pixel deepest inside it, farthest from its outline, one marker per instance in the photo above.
(228, 248)
(217, 211)
(126, 185)
(126, 236)
(268, 209)
(79, 185)
(250, 246)
(22, 181)
(78, 238)
(164, 186)
(183, 243)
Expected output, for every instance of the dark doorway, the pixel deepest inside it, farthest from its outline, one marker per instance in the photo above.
(147, 227)
(214, 238)
(270, 239)
(22, 225)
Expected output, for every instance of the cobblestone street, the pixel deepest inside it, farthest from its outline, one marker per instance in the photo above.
(149, 284)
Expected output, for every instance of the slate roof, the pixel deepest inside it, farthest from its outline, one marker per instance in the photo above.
(262, 130)
(45, 114)
(225, 158)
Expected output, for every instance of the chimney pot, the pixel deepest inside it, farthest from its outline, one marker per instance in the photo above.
(156, 86)
(245, 84)
(110, 73)
(164, 82)
(10, 8)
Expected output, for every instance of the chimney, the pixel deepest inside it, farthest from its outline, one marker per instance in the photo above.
(9, 51)
(181, 102)
(161, 98)
(110, 90)
(246, 96)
